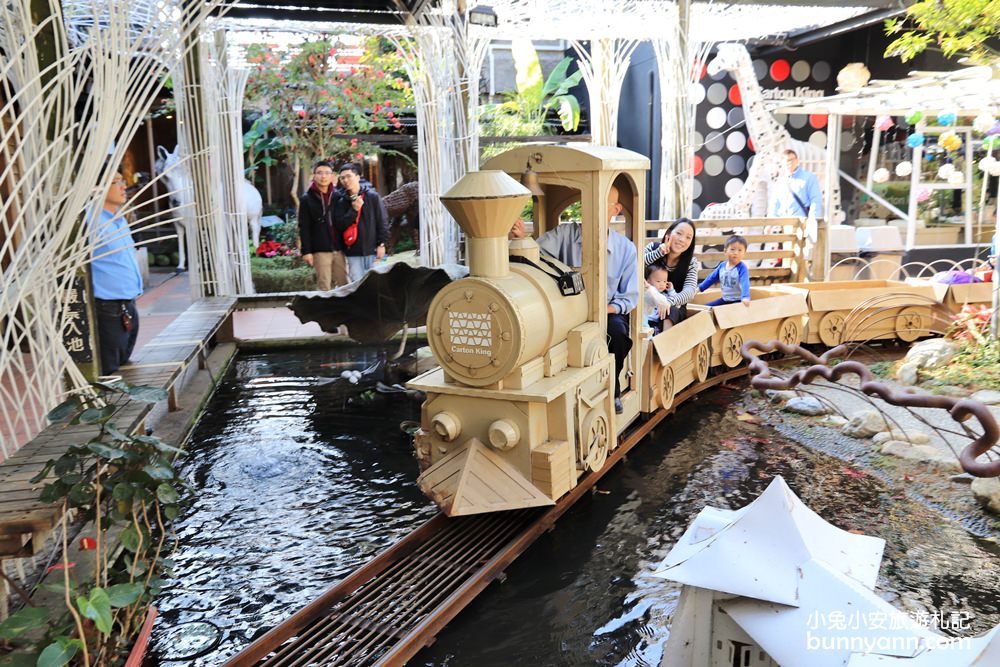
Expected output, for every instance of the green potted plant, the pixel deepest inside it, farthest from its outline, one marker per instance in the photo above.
(124, 489)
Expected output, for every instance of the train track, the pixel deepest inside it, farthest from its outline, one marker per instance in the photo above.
(396, 604)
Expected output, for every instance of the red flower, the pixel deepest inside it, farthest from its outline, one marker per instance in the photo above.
(354, 143)
(396, 124)
(359, 156)
(340, 129)
(301, 113)
(389, 114)
(61, 566)
(380, 74)
(88, 544)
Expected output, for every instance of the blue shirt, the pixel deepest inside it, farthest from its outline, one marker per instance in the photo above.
(734, 281)
(565, 243)
(113, 269)
(801, 184)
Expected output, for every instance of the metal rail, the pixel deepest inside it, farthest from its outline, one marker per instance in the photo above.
(396, 604)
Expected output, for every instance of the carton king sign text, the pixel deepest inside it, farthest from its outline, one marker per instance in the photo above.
(471, 333)
(789, 93)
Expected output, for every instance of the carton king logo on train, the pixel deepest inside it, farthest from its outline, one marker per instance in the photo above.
(471, 333)
(789, 93)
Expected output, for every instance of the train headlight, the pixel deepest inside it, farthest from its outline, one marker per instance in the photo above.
(504, 435)
(447, 425)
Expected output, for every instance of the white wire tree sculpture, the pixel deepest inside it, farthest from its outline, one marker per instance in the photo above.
(75, 85)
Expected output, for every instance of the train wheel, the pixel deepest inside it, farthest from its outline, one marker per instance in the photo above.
(702, 361)
(832, 328)
(732, 341)
(667, 387)
(597, 436)
(790, 331)
(910, 325)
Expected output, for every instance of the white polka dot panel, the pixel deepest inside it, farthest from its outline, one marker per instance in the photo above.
(736, 141)
(695, 211)
(846, 141)
(781, 118)
(695, 188)
(821, 71)
(697, 93)
(800, 71)
(733, 186)
(715, 142)
(760, 69)
(798, 120)
(716, 117)
(719, 76)
(735, 165)
(717, 93)
(735, 116)
(818, 138)
(714, 165)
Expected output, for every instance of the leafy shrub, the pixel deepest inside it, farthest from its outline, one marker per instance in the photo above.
(281, 274)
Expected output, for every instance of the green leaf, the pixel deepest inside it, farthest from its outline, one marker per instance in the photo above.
(26, 620)
(105, 452)
(59, 652)
(147, 394)
(171, 512)
(96, 415)
(53, 492)
(97, 608)
(115, 434)
(569, 112)
(64, 409)
(122, 491)
(19, 660)
(65, 464)
(129, 538)
(44, 472)
(166, 494)
(556, 77)
(122, 595)
(529, 71)
(159, 471)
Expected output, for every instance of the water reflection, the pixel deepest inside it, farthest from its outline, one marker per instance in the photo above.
(300, 477)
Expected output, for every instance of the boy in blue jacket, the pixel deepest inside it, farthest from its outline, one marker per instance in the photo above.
(732, 275)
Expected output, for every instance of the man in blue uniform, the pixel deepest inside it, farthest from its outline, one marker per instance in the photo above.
(801, 196)
(116, 279)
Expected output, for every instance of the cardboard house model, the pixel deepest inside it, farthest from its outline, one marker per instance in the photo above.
(774, 584)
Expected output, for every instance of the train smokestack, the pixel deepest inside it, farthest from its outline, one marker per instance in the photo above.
(485, 205)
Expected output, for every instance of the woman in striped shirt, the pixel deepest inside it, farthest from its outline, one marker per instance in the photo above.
(676, 253)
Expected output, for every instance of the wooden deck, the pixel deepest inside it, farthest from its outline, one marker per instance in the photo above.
(25, 521)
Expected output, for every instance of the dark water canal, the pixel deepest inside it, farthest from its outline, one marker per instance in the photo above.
(301, 476)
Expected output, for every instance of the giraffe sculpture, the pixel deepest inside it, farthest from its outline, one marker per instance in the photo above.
(769, 137)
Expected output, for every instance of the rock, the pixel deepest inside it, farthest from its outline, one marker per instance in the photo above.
(836, 421)
(925, 453)
(907, 373)
(962, 478)
(932, 353)
(952, 390)
(807, 405)
(864, 424)
(987, 396)
(987, 492)
(780, 395)
(911, 436)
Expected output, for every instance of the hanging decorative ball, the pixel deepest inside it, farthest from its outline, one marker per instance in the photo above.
(945, 171)
(923, 194)
(949, 141)
(995, 169)
(947, 118)
(984, 122)
(987, 163)
(915, 140)
(991, 142)
(854, 76)
(880, 175)
(914, 116)
(904, 168)
(995, 129)
(883, 123)
(956, 178)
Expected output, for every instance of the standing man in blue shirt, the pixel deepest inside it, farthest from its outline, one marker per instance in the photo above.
(801, 196)
(116, 279)
(565, 243)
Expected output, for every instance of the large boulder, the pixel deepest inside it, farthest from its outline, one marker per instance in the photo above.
(807, 405)
(924, 453)
(865, 424)
(907, 373)
(911, 436)
(987, 396)
(987, 492)
(931, 353)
